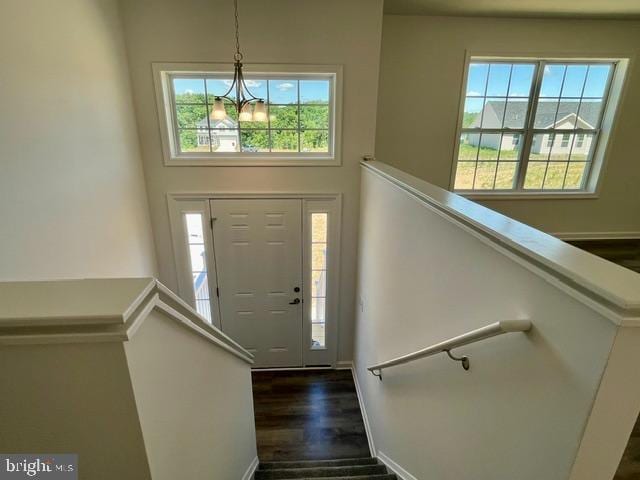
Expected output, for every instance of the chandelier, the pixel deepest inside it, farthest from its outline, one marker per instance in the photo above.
(243, 96)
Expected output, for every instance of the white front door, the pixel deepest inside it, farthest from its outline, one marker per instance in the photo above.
(258, 253)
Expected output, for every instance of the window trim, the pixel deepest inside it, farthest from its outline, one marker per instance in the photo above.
(162, 73)
(616, 89)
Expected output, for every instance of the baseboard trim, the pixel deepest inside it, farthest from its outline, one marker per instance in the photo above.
(597, 235)
(344, 365)
(248, 475)
(395, 468)
(365, 417)
(289, 369)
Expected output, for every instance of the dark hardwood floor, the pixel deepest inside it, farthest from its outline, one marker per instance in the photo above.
(307, 415)
(627, 254)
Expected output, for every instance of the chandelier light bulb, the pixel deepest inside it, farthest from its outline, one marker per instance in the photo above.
(246, 113)
(259, 111)
(219, 112)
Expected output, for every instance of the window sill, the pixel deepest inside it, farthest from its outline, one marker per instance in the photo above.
(528, 195)
(249, 161)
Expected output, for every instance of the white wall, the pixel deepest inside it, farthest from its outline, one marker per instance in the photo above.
(423, 57)
(194, 402)
(72, 195)
(72, 398)
(278, 31)
(521, 410)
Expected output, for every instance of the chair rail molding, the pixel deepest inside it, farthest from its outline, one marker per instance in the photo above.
(96, 310)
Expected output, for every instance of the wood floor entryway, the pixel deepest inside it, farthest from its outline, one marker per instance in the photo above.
(307, 415)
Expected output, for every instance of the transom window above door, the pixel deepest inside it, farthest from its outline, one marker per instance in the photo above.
(300, 126)
(535, 126)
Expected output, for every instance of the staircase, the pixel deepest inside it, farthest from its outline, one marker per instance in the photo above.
(346, 469)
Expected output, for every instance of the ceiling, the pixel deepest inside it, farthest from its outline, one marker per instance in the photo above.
(619, 9)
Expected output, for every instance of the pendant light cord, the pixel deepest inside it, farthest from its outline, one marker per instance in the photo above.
(238, 55)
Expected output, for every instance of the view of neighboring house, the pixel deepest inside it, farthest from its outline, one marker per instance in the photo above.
(515, 115)
(224, 134)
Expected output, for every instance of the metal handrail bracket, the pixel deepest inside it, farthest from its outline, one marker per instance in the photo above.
(492, 330)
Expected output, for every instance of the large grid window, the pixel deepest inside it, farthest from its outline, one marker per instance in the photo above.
(299, 116)
(530, 125)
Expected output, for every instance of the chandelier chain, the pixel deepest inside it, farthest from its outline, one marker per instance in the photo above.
(238, 55)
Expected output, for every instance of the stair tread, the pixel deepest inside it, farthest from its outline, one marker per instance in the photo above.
(381, 476)
(321, 472)
(339, 462)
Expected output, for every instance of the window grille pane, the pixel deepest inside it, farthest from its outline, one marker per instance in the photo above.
(582, 147)
(283, 116)
(465, 175)
(505, 176)
(198, 263)
(477, 80)
(317, 310)
(318, 283)
(493, 112)
(192, 116)
(498, 84)
(485, 175)
(521, 80)
(535, 175)
(515, 113)
(319, 256)
(189, 90)
(314, 91)
(319, 234)
(283, 91)
(190, 141)
(574, 79)
(554, 177)
(468, 148)
(546, 113)
(472, 112)
(510, 146)
(284, 141)
(225, 140)
(319, 227)
(314, 116)
(597, 79)
(255, 140)
(315, 140)
(216, 87)
(575, 175)
(552, 80)
(489, 145)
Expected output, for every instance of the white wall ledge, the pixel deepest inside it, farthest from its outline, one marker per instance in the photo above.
(613, 290)
(95, 310)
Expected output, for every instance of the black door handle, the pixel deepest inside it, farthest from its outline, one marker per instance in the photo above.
(296, 301)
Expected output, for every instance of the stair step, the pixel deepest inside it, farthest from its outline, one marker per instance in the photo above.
(382, 476)
(319, 463)
(321, 472)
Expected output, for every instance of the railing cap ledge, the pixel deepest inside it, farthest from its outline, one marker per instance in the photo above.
(615, 288)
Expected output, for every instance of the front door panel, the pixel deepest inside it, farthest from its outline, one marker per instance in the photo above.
(258, 249)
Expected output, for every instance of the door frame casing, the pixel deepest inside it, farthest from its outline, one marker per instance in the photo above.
(330, 202)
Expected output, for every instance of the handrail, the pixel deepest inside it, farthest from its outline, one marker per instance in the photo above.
(498, 328)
